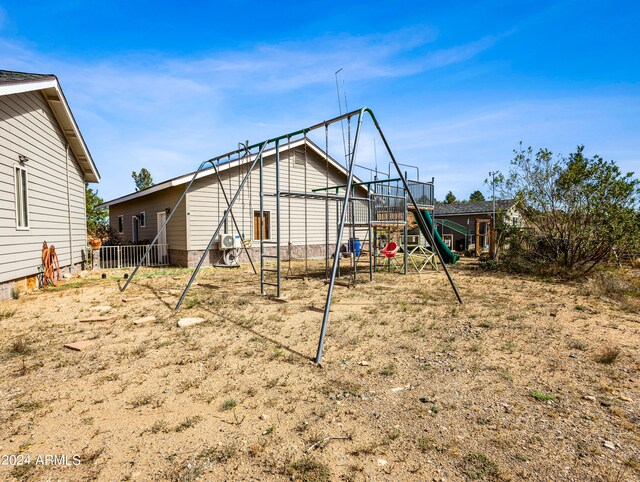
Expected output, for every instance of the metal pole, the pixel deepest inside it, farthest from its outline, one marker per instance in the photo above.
(334, 270)
(164, 225)
(370, 240)
(493, 222)
(220, 224)
(338, 227)
(306, 130)
(375, 246)
(326, 237)
(233, 218)
(344, 144)
(419, 217)
(277, 217)
(406, 233)
(406, 165)
(353, 237)
(261, 229)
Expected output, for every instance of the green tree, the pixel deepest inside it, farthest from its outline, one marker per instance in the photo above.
(476, 196)
(97, 218)
(579, 211)
(450, 198)
(142, 179)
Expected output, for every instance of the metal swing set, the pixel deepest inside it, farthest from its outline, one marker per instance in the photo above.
(344, 202)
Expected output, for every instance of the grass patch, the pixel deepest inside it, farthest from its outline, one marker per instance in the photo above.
(20, 347)
(577, 345)
(159, 426)
(504, 374)
(617, 286)
(29, 406)
(19, 472)
(388, 371)
(478, 466)
(191, 302)
(308, 470)
(220, 453)
(7, 314)
(541, 396)
(142, 400)
(509, 346)
(393, 434)
(188, 422)
(228, 404)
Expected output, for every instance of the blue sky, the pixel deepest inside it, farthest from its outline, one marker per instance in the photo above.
(165, 85)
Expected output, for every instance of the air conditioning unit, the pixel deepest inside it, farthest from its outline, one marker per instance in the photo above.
(230, 241)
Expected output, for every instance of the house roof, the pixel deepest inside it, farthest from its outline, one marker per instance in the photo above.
(185, 178)
(9, 76)
(475, 207)
(19, 82)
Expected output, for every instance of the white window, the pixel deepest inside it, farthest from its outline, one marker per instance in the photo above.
(143, 219)
(120, 224)
(22, 197)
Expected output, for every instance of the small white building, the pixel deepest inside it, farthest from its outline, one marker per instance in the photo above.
(44, 165)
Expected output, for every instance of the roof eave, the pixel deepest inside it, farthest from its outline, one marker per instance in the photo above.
(57, 101)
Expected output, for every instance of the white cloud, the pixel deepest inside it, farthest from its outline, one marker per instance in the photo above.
(168, 113)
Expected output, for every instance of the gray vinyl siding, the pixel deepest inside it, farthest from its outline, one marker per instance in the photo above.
(28, 127)
(206, 202)
(151, 205)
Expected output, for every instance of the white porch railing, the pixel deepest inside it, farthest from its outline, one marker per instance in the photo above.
(128, 256)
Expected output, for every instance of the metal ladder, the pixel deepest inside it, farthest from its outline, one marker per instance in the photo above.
(264, 283)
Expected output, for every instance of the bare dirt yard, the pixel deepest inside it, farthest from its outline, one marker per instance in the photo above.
(528, 380)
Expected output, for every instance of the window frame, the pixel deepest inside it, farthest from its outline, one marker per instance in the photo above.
(25, 195)
(267, 226)
(121, 224)
(142, 219)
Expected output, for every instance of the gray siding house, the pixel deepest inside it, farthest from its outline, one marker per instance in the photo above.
(137, 217)
(44, 164)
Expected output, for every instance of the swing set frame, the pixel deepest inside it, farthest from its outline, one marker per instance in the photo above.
(344, 203)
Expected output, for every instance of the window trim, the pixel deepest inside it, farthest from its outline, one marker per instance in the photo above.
(121, 224)
(142, 218)
(20, 167)
(265, 213)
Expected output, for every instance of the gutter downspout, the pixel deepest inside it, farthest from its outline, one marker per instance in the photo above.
(66, 160)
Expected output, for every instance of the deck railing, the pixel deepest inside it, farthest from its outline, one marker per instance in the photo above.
(128, 256)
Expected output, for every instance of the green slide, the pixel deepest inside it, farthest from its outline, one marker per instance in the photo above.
(448, 256)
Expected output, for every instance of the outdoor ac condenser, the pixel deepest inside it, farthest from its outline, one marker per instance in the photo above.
(230, 241)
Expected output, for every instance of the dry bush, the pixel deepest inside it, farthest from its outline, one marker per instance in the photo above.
(614, 285)
(608, 355)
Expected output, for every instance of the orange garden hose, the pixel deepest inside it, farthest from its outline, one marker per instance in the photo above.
(51, 265)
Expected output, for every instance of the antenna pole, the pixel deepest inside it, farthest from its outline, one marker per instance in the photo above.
(344, 144)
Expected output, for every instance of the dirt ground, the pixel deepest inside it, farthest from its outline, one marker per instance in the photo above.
(528, 380)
